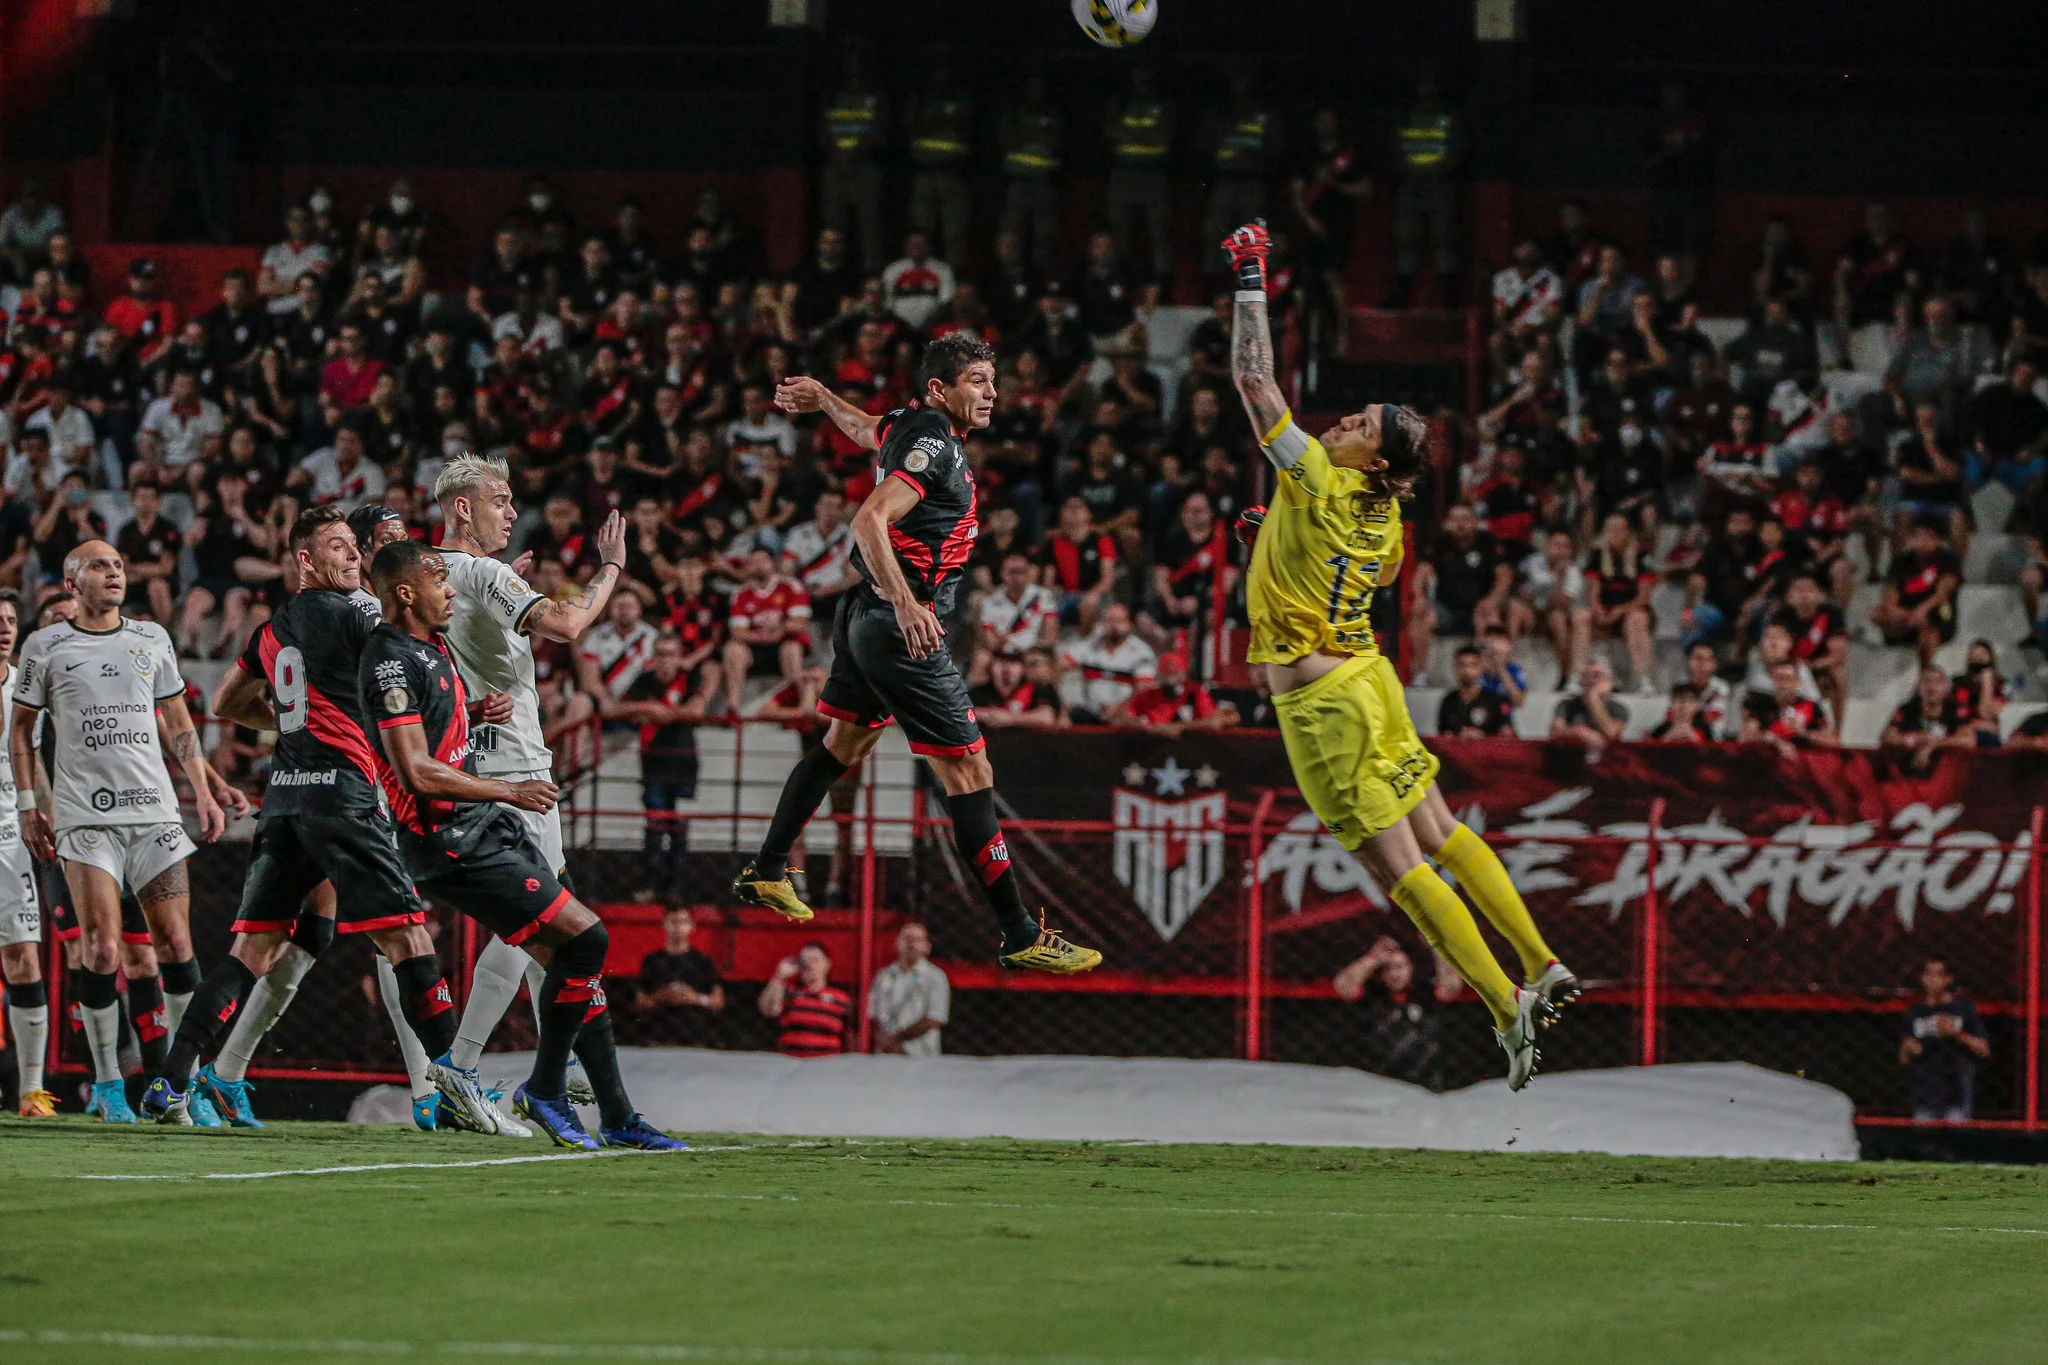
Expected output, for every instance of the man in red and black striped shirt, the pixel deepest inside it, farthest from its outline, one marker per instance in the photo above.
(812, 1011)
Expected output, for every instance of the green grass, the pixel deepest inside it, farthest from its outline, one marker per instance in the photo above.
(840, 1253)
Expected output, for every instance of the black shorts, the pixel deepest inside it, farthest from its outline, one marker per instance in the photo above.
(358, 852)
(874, 681)
(64, 920)
(496, 876)
(764, 661)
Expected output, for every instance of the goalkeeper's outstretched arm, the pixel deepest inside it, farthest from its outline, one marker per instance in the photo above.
(1251, 337)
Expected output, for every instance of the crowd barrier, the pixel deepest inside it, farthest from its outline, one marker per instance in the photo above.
(1726, 905)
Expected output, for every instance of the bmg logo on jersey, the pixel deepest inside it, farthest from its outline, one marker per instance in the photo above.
(106, 799)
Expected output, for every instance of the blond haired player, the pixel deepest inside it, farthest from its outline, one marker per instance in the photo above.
(1331, 537)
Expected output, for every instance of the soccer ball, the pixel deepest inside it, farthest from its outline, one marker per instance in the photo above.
(1116, 23)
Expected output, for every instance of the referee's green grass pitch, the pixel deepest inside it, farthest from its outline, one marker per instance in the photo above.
(841, 1253)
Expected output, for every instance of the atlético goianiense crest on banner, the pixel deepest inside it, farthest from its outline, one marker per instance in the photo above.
(1168, 854)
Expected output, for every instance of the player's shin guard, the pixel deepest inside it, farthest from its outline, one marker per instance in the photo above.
(980, 840)
(179, 979)
(1447, 924)
(429, 1008)
(499, 969)
(409, 1048)
(213, 1004)
(152, 1025)
(809, 782)
(100, 1011)
(597, 1048)
(1478, 869)
(28, 1024)
(262, 1007)
(574, 991)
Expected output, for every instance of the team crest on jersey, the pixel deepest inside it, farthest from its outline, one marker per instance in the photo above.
(397, 700)
(145, 663)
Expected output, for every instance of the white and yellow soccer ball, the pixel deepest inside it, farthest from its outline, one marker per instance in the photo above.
(1116, 23)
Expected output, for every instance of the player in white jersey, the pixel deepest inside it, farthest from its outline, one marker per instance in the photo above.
(496, 615)
(21, 914)
(103, 680)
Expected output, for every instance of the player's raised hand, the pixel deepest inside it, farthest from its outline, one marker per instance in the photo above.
(611, 541)
(495, 708)
(800, 393)
(922, 635)
(1248, 248)
(523, 565)
(533, 794)
(38, 835)
(1248, 523)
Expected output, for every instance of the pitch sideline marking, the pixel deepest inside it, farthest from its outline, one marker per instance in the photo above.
(766, 1355)
(436, 1165)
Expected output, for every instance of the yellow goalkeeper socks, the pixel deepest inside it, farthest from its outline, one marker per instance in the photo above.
(1478, 869)
(1447, 924)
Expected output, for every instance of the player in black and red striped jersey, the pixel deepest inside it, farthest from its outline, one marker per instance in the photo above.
(913, 536)
(472, 852)
(323, 817)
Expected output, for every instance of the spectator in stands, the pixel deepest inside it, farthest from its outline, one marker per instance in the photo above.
(1556, 595)
(1931, 719)
(769, 627)
(338, 473)
(1871, 272)
(1622, 580)
(1591, 715)
(1979, 691)
(27, 227)
(1682, 723)
(1190, 570)
(1113, 663)
(1079, 563)
(1819, 633)
(1787, 715)
(1781, 272)
(1402, 1039)
(1011, 698)
(1528, 299)
(174, 431)
(1918, 606)
(349, 378)
(812, 1011)
(1468, 580)
(1722, 583)
(1499, 674)
(1941, 1041)
(910, 1000)
(615, 652)
(72, 442)
(1018, 615)
(1774, 348)
(678, 985)
(149, 545)
(1171, 705)
(666, 701)
(146, 322)
(2011, 426)
(1606, 305)
(1468, 710)
(919, 283)
(1937, 363)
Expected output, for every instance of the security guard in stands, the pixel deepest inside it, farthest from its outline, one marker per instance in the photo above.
(1245, 142)
(1032, 132)
(1140, 132)
(850, 133)
(1428, 145)
(939, 125)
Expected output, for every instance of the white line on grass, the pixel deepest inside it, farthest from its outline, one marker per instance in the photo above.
(766, 1355)
(431, 1165)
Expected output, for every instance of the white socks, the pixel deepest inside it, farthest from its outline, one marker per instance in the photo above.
(499, 969)
(408, 1042)
(103, 1040)
(174, 1010)
(30, 1030)
(268, 999)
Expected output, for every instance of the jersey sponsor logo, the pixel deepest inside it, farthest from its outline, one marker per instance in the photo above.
(397, 700)
(100, 726)
(390, 673)
(321, 778)
(106, 799)
(932, 447)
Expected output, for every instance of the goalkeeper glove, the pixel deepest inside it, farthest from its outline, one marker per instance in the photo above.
(1248, 523)
(1248, 248)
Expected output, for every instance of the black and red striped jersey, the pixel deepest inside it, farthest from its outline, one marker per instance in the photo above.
(934, 538)
(404, 680)
(814, 1022)
(325, 762)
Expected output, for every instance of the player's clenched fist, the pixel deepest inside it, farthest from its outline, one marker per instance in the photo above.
(533, 795)
(1248, 248)
(1248, 523)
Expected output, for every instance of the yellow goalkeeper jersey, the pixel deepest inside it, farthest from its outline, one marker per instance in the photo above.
(1324, 546)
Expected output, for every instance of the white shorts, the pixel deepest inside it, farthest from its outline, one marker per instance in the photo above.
(133, 855)
(21, 913)
(544, 830)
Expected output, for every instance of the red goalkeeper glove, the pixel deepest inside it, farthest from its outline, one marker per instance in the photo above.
(1248, 523)
(1248, 248)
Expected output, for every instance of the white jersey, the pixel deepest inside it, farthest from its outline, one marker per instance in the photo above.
(100, 691)
(620, 658)
(1019, 624)
(10, 830)
(493, 655)
(1111, 673)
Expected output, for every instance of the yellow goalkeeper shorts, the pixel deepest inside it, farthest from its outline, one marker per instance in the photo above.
(1356, 755)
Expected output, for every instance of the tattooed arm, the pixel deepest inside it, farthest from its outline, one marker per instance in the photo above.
(184, 744)
(565, 621)
(1251, 364)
